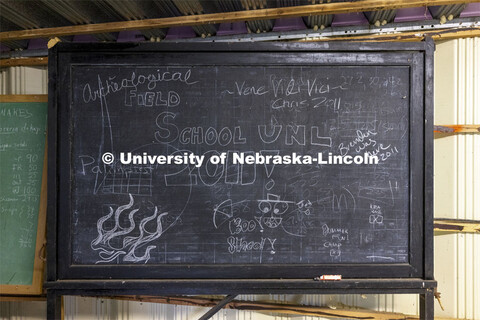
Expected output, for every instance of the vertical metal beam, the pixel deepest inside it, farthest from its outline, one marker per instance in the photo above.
(219, 306)
(427, 305)
(54, 305)
(428, 158)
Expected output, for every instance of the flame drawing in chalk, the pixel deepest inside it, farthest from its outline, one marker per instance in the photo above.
(126, 242)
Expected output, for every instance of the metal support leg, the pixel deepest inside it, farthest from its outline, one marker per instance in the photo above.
(427, 301)
(54, 305)
(219, 306)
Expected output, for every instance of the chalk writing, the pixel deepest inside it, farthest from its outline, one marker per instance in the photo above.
(240, 209)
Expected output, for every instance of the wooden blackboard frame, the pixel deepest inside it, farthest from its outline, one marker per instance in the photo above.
(36, 288)
(417, 277)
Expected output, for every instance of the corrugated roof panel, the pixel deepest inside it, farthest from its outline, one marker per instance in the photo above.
(194, 7)
(229, 5)
(81, 12)
(70, 10)
(6, 24)
(445, 13)
(258, 26)
(24, 14)
(21, 15)
(138, 10)
(290, 3)
(319, 21)
(31, 14)
(381, 17)
(15, 18)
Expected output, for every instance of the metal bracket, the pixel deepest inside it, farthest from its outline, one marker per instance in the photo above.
(210, 313)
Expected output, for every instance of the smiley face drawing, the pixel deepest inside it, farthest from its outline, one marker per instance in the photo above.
(270, 211)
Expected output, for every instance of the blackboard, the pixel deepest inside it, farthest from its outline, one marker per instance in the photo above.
(272, 220)
(23, 122)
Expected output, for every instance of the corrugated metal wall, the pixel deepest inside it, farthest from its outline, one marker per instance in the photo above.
(457, 195)
(23, 80)
(457, 176)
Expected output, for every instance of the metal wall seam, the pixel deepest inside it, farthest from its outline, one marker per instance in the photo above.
(460, 212)
(476, 180)
(472, 193)
(3, 80)
(468, 176)
(467, 79)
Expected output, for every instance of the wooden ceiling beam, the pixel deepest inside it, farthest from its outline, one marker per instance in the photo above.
(436, 35)
(23, 98)
(246, 15)
(457, 128)
(457, 225)
(15, 62)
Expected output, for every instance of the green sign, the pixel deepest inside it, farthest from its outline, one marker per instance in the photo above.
(22, 149)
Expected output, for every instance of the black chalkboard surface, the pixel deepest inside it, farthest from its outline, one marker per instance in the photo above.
(115, 105)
